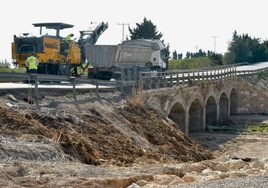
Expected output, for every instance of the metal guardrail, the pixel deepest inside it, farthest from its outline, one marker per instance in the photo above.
(251, 72)
(146, 81)
(36, 79)
(157, 80)
(20, 77)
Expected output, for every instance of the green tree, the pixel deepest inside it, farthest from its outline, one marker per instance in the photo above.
(217, 59)
(145, 30)
(265, 45)
(175, 55)
(188, 55)
(243, 48)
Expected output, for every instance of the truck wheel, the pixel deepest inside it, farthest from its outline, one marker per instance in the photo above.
(91, 75)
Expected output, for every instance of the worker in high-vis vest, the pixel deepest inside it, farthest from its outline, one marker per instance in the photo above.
(31, 64)
(68, 38)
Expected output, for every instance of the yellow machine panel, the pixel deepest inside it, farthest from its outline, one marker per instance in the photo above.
(51, 51)
(75, 53)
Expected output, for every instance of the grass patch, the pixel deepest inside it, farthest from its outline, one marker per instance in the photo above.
(16, 70)
(136, 99)
(263, 128)
(192, 63)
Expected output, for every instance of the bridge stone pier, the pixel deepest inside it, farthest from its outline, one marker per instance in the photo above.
(195, 107)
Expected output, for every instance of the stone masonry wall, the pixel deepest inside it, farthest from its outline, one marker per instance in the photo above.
(252, 96)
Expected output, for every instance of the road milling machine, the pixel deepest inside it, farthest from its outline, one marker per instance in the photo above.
(56, 56)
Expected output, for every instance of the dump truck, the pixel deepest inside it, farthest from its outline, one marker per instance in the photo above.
(126, 59)
(56, 56)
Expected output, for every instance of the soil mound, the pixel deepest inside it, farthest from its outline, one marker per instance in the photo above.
(104, 135)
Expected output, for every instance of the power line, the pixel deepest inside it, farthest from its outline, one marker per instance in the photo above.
(123, 29)
(215, 37)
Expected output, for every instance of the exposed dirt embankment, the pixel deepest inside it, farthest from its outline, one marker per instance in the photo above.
(100, 135)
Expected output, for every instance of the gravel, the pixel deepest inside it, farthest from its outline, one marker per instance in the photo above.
(244, 182)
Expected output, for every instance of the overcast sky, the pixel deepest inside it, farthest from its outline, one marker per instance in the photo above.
(186, 25)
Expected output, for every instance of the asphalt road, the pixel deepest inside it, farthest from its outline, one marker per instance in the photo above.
(255, 66)
(58, 86)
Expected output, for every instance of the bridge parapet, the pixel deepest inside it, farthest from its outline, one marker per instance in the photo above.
(185, 78)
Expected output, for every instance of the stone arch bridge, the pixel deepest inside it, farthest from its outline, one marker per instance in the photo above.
(195, 100)
(193, 108)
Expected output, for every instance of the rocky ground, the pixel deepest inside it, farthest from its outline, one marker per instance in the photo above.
(108, 141)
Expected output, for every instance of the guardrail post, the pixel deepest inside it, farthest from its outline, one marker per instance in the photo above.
(140, 82)
(34, 77)
(72, 79)
(189, 79)
(193, 78)
(178, 80)
(207, 77)
(121, 86)
(159, 75)
(97, 87)
(150, 81)
(183, 79)
(165, 80)
(171, 80)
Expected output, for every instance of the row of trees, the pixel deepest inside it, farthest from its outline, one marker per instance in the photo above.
(242, 48)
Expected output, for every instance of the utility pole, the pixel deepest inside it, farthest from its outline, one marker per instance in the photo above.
(123, 29)
(196, 48)
(215, 37)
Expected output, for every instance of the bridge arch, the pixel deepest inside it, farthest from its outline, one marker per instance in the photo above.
(211, 110)
(196, 111)
(223, 108)
(178, 115)
(233, 102)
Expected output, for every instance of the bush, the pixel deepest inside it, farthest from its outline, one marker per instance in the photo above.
(263, 75)
(193, 63)
(4, 64)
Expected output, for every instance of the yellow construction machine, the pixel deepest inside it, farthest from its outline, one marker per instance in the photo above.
(56, 56)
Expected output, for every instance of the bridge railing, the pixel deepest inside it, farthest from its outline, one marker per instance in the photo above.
(251, 72)
(155, 80)
(146, 81)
